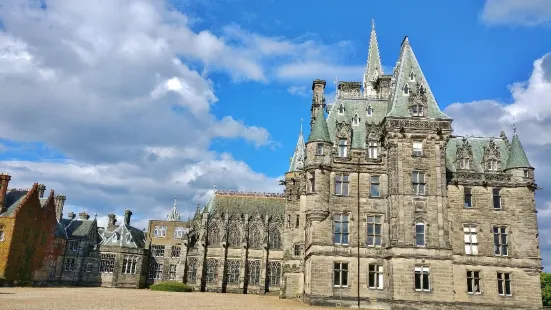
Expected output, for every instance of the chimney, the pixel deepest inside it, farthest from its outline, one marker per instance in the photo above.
(4, 181)
(111, 222)
(318, 99)
(127, 215)
(59, 203)
(71, 215)
(41, 190)
(83, 216)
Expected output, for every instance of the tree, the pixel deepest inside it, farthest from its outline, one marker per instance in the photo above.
(546, 288)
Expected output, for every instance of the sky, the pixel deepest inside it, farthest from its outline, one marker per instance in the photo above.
(128, 104)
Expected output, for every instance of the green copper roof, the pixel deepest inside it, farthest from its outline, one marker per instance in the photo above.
(517, 156)
(297, 161)
(407, 63)
(374, 67)
(477, 146)
(246, 203)
(319, 129)
(123, 236)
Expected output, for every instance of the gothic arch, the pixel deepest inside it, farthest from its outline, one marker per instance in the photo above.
(234, 234)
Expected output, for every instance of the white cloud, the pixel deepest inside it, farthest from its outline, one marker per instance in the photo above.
(298, 90)
(310, 70)
(520, 12)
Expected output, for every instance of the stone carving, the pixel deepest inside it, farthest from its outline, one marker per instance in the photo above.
(417, 124)
(464, 156)
(492, 156)
(256, 194)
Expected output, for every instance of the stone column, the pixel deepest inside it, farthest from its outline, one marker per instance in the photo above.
(244, 253)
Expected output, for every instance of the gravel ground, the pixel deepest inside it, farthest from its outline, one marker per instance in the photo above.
(132, 299)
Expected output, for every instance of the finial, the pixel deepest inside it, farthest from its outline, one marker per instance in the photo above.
(214, 187)
(373, 24)
(174, 202)
(514, 126)
(301, 125)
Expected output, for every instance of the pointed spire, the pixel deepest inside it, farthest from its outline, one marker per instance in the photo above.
(173, 215)
(373, 67)
(297, 161)
(319, 131)
(517, 156)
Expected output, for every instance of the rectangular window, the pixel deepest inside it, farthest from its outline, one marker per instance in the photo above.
(372, 149)
(312, 182)
(175, 251)
(158, 250)
(473, 282)
(342, 148)
(374, 188)
(496, 198)
(172, 272)
(73, 246)
(212, 270)
(129, 264)
(376, 276)
(107, 263)
(296, 250)
(179, 232)
(526, 173)
(89, 267)
(155, 271)
(468, 197)
(418, 182)
(374, 230)
(254, 272)
(69, 264)
(464, 163)
(340, 229)
(341, 184)
(420, 234)
(340, 274)
(297, 220)
(417, 148)
(319, 149)
(491, 165)
(471, 241)
(159, 231)
(232, 271)
(500, 241)
(504, 283)
(416, 110)
(422, 282)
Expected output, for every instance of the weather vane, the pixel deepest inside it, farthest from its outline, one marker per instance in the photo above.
(514, 126)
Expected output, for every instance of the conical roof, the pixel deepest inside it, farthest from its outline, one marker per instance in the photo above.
(517, 156)
(319, 131)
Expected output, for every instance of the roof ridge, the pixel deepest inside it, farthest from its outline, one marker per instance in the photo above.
(27, 197)
(248, 194)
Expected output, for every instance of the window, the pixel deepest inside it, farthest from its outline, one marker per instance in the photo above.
(107, 263)
(232, 271)
(297, 220)
(340, 274)
(179, 232)
(464, 163)
(372, 149)
(491, 165)
(417, 110)
(342, 147)
(69, 264)
(496, 198)
(406, 89)
(375, 186)
(214, 235)
(274, 238)
(418, 182)
(526, 173)
(420, 234)
(422, 90)
(155, 271)
(341, 184)
(341, 109)
(468, 197)
(51, 270)
(255, 237)
(374, 230)
(159, 231)
(412, 76)
(234, 236)
(500, 241)
(312, 182)
(2, 233)
(212, 270)
(422, 282)
(473, 282)
(340, 229)
(158, 250)
(89, 267)
(356, 120)
(375, 276)
(172, 272)
(72, 246)
(417, 148)
(288, 220)
(504, 283)
(296, 250)
(175, 251)
(129, 264)
(254, 272)
(369, 111)
(191, 274)
(274, 273)
(319, 149)
(471, 241)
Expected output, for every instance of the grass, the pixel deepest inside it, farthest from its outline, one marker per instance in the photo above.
(171, 286)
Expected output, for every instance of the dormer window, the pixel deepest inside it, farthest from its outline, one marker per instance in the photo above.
(422, 90)
(341, 109)
(342, 147)
(369, 110)
(356, 120)
(406, 89)
(412, 76)
(464, 163)
(417, 110)
(491, 165)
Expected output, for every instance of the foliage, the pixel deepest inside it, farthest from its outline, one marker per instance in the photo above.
(546, 288)
(171, 286)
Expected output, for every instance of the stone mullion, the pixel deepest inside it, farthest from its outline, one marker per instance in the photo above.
(244, 253)
(223, 254)
(264, 262)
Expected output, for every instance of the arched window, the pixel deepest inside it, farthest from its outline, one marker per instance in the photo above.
(412, 76)
(422, 90)
(212, 270)
(233, 236)
(214, 235)
(420, 234)
(341, 109)
(274, 273)
(369, 110)
(255, 237)
(464, 163)
(191, 275)
(406, 89)
(274, 238)
(356, 120)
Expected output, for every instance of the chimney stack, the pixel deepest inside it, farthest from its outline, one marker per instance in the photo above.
(41, 190)
(4, 182)
(111, 222)
(127, 215)
(59, 203)
(83, 216)
(71, 215)
(318, 99)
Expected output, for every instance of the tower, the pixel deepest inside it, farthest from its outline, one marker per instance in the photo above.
(318, 99)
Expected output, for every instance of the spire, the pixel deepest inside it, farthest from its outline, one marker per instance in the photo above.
(297, 161)
(373, 67)
(319, 131)
(173, 215)
(517, 156)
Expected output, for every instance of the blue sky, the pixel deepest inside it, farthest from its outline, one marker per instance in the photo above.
(130, 103)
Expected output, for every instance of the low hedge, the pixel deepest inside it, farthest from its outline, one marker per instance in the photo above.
(171, 286)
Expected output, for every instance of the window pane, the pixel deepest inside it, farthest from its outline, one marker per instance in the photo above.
(507, 288)
(344, 227)
(336, 278)
(469, 285)
(504, 250)
(344, 239)
(420, 239)
(370, 240)
(371, 278)
(377, 240)
(419, 228)
(418, 280)
(344, 280)
(374, 190)
(425, 281)
(345, 189)
(377, 229)
(344, 266)
(378, 219)
(370, 229)
(500, 287)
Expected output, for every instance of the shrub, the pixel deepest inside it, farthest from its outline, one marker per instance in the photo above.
(171, 286)
(2, 281)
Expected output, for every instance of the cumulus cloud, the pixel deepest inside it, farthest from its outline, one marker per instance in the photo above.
(298, 90)
(519, 12)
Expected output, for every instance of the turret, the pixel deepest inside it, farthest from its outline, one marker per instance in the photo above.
(517, 162)
(319, 145)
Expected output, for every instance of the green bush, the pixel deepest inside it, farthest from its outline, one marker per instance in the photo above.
(171, 286)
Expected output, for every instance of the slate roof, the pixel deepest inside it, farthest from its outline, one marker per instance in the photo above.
(517, 156)
(78, 228)
(319, 130)
(297, 161)
(237, 203)
(12, 200)
(477, 146)
(123, 236)
(374, 66)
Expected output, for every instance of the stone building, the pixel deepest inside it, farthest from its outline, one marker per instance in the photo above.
(387, 209)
